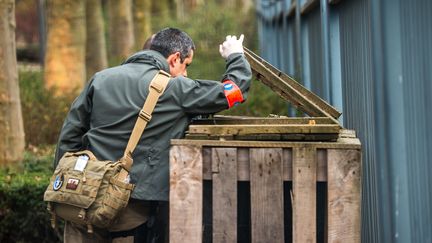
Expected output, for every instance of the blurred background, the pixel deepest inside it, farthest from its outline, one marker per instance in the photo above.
(371, 59)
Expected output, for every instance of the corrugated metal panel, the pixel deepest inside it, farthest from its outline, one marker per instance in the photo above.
(416, 41)
(291, 48)
(305, 55)
(335, 72)
(376, 66)
(358, 102)
(313, 21)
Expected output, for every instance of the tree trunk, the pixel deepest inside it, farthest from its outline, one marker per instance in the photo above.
(11, 124)
(246, 5)
(120, 30)
(65, 53)
(241, 6)
(142, 21)
(161, 13)
(185, 7)
(96, 55)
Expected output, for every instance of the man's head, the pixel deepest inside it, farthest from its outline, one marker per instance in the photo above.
(177, 47)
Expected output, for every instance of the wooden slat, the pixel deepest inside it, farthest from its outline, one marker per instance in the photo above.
(224, 164)
(243, 168)
(321, 165)
(238, 120)
(315, 137)
(344, 191)
(345, 133)
(207, 158)
(290, 89)
(287, 164)
(245, 129)
(351, 144)
(186, 194)
(267, 218)
(243, 165)
(304, 194)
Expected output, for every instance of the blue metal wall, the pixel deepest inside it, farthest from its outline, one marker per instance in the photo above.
(372, 60)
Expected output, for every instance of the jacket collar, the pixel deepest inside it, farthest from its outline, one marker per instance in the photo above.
(151, 57)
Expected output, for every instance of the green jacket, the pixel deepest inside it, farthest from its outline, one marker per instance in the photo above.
(103, 115)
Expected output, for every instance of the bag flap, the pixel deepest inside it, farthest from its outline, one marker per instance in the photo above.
(75, 187)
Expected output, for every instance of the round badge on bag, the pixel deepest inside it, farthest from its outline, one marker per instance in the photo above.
(58, 182)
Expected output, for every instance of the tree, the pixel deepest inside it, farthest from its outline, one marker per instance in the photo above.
(243, 5)
(96, 54)
(65, 50)
(11, 124)
(142, 21)
(185, 7)
(120, 29)
(162, 12)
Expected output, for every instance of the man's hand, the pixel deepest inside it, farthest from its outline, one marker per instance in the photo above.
(231, 45)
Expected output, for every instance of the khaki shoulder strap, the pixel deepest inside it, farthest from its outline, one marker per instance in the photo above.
(156, 89)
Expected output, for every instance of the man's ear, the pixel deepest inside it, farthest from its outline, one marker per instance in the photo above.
(173, 58)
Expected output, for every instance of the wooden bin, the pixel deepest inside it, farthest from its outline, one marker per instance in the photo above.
(266, 165)
(267, 153)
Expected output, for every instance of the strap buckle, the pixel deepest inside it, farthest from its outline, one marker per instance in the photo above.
(144, 115)
(164, 73)
(156, 85)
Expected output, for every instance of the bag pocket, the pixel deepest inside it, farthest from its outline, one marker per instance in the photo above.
(115, 199)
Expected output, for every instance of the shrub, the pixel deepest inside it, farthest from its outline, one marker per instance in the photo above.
(43, 112)
(23, 214)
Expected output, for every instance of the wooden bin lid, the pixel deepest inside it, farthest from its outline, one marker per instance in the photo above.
(289, 89)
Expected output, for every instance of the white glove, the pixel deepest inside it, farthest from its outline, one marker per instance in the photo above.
(231, 45)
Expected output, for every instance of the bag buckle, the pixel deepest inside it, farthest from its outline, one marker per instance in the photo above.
(156, 86)
(145, 116)
(159, 88)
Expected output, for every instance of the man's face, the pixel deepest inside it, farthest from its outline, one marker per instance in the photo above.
(176, 66)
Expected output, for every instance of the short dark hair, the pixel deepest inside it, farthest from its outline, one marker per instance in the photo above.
(171, 40)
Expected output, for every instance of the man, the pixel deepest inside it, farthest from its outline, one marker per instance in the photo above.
(102, 117)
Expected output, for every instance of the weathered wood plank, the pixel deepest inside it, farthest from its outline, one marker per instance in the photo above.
(304, 194)
(224, 164)
(267, 218)
(287, 164)
(316, 137)
(243, 167)
(346, 133)
(186, 194)
(237, 120)
(290, 89)
(352, 144)
(246, 129)
(207, 163)
(321, 164)
(344, 195)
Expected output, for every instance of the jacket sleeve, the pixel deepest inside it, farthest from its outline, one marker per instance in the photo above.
(206, 97)
(76, 124)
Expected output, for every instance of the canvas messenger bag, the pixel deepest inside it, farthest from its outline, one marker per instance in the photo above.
(90, 192)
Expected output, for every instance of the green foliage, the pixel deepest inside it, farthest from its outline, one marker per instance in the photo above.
(43, 112)
(208, 25)
(23, 214)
